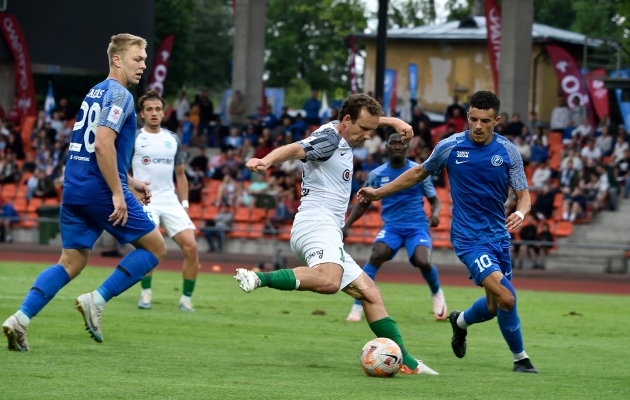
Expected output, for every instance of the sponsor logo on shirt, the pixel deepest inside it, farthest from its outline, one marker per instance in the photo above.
(462, 154)
(384, 180)
(114, 114)
(148, 160)
(75, 147)
(496, 160)
(346, 175)
(319, 253)
(168, 144)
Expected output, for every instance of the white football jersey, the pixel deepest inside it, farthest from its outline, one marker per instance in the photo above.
(154, 158)
(326, 174)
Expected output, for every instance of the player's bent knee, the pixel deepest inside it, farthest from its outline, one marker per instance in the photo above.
(423, 265)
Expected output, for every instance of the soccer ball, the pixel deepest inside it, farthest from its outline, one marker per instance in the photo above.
(381, 357)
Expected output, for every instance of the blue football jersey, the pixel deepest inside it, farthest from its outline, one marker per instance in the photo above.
(479, 176)
(404, 209)
(107, 104)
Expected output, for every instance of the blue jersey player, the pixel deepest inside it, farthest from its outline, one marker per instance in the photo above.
(406, 224)
(481, 165)
(98, 195)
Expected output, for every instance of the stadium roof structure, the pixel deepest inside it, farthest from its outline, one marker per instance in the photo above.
(474, 29)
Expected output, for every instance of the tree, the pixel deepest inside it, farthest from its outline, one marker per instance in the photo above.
(202, 51)
(457, 10)
(595, 18)
(174, 17)
(212, 39)
(305, 40)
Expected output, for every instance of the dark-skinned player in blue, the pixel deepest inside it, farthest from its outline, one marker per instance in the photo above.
(481, 164)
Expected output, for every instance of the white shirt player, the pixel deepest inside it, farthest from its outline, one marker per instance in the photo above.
(326, 174)
(154, 159)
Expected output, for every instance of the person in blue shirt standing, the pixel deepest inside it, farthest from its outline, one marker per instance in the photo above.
(481, 165)
(406, 224)
(99, 195)
(312, 107)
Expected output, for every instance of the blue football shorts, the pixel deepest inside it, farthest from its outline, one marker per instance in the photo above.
(396, 237)
(482, 260)
(82, 225)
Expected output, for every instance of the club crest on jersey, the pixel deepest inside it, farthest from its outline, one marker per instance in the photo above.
(146, 160)
(347, 175)
(496, 160)
(168, 144)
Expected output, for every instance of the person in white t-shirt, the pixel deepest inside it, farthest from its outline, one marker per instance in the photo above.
(316, 237)
(157, 154)
(590, 151)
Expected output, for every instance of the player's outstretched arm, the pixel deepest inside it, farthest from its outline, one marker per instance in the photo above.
(291, 151)
(406, 180)
(105, 152)
(523, 205)
(403, 128)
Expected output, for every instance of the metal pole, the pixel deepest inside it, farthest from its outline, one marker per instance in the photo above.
(381, 50)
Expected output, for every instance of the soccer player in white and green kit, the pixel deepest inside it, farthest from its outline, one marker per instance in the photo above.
(157, 154)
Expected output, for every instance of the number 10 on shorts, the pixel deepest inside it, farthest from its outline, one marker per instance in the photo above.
(483, 262)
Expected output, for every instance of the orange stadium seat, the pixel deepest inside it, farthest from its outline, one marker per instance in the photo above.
(564, 229)
(8, 191)
(34, 204)
(194, 212)
(209, 212)
(239, 230)
(20, 205)
(242, 214)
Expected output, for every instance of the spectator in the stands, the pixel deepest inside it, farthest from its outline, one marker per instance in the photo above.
(560, 116)
(40, 186)
(449, 111)
(527, 233)
(227, 192)
(623, 173)
(543, 205)
(217, 228)
(200, 160)
(515, 127)
(619, 151)
(582, 131)
(8, 217)
(576, 161)
(578, 112)
(247, 151)
(605, 143)
(569, 177)
(196, 185)
(541, 176)
(235, 140)
(312, 107)
(540, 153)
(457, 120)
(9, 172)
(544, 235)
(574, 205)
(524, 149)
(590, 152)
(237, 111)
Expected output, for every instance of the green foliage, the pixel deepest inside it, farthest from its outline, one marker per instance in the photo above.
(174, 17)
(556, 13)
(297, 92)
(410, 13)
(595, 18)
(202, 50)
(457, 10)
(305, 40)
(212, 38)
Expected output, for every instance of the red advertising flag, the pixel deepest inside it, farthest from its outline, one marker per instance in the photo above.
(25, 95)
(599, 93)
(352, 52)
(493, 38)
(570, 77)
(160, 65)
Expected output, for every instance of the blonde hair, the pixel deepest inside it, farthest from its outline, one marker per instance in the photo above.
(121, 43)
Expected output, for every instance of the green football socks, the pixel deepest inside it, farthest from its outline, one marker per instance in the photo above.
(188, 287)
(282, 279)
(145, 283)
(387, 328)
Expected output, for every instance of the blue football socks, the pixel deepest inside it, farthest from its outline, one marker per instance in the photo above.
(478, 312)
(370, 271)
(509, 323)
(432, 279)
(46, 286)
(129, 271)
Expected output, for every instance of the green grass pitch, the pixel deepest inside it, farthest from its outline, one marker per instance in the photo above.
(280, 345)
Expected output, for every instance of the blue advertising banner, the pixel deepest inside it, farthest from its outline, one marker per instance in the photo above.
(413, 81)
(623, 101)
